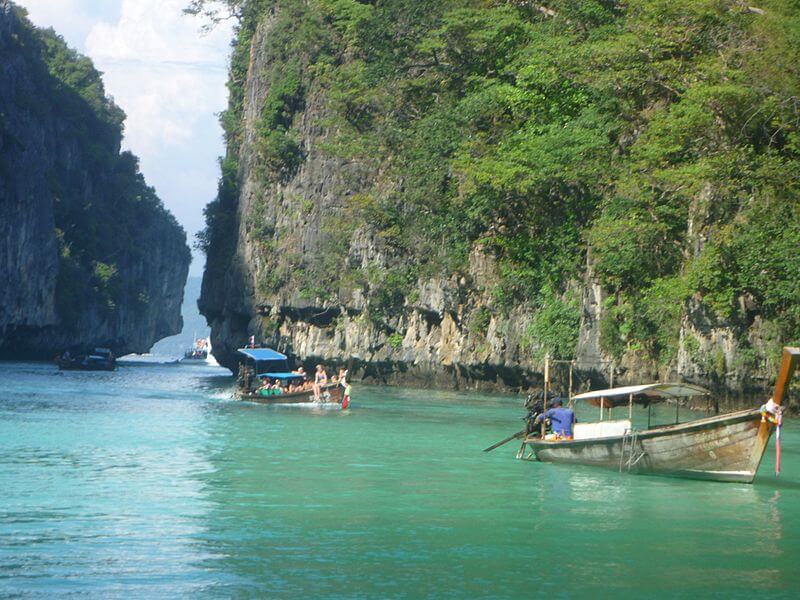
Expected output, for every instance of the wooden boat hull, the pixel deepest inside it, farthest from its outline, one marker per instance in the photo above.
(330, 394)
(722, 448)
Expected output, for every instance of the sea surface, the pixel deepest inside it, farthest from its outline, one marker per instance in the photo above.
(151, 482)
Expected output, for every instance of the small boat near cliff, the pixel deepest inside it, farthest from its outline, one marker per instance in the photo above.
(99, 359)
(725, 447)
(266, 365)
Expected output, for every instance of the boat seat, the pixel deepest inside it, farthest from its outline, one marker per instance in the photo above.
(601, 429)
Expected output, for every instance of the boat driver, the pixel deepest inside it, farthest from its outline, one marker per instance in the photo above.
(561, 419)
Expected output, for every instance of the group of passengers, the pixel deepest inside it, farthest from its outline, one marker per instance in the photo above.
(302, 383)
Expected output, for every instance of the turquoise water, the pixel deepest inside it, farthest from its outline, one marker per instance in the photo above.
(150, 482)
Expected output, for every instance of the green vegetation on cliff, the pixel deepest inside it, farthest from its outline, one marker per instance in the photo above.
(656, 141)
(101, 203)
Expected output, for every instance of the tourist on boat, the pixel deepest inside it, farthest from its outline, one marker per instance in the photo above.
(343, 374)
(320, 381)
(561, 419)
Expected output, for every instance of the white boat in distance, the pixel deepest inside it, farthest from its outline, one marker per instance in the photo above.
(199, 354)
(725, 447)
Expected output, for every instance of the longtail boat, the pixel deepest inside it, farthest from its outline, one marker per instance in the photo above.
(99, 359)
(725, 447)
(265, 364)
(331, 393)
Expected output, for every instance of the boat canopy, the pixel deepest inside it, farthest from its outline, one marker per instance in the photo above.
(267, 361)
(642, 394)
(259, 354)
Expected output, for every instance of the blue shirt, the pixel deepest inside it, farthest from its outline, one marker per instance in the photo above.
(561, 418)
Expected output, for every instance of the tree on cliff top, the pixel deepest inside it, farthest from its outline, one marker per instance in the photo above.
(216, 11)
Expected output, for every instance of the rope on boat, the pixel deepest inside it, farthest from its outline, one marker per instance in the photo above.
(773, 413)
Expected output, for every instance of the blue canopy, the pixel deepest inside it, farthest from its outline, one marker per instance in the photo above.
(281, 375)
(262, 354)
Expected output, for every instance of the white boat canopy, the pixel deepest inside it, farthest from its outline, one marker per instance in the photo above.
(652, 392)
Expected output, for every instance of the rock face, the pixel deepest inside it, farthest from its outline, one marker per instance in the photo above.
(446, 340)
(443, 333)
(88, 256)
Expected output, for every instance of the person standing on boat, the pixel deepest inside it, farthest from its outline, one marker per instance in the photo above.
(320, 381)
(343, 373)
(561, 419)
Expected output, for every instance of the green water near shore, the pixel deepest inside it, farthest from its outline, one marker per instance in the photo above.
(151, 482)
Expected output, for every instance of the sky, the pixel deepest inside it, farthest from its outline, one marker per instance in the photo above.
(169, 77)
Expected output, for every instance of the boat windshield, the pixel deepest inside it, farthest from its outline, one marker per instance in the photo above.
(282, 376)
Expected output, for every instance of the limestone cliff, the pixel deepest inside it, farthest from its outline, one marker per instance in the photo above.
(88, 255)
(306, 250)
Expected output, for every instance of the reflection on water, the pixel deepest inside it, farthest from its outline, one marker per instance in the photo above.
(151, 481)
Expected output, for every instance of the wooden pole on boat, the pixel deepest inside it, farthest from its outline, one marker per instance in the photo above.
(630, 408)
(611, 375)
(610, 385)
(546, 389)
(791, 357)
(505, 441)
(789, 361)
(571, 364)
(546, 377)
